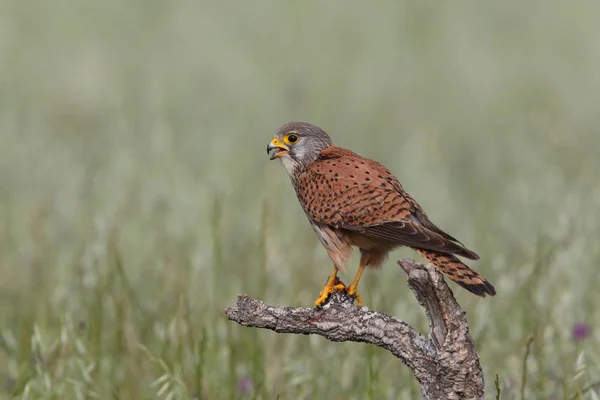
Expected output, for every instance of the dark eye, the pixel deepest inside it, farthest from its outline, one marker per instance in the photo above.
(292, 138)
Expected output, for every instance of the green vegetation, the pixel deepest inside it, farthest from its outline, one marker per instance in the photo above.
(137, 199)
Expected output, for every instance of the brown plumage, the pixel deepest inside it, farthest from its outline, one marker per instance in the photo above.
(353, 201)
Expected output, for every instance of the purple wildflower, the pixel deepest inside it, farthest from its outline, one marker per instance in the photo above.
(580, 331)
(245, 386)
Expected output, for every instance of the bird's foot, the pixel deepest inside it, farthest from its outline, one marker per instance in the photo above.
(352, 291)
(330, 287)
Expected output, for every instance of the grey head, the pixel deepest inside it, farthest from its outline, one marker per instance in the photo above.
(298, 144)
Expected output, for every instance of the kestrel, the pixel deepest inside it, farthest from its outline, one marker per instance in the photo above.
(352, 201)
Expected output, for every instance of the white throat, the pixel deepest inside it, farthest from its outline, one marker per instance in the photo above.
(289, 164)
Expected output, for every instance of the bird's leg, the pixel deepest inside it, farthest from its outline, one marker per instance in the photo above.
(352, 290)
(333, 284)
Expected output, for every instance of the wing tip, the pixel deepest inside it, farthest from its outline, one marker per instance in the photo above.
(466, 253)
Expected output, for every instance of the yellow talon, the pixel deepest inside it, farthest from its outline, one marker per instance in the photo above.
(333, 284)
(327, 290)
(353, 288)
(351, 291)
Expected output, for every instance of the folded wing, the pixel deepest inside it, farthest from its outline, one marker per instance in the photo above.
(350, 192)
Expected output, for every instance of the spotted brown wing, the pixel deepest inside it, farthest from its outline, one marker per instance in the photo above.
(345, 190)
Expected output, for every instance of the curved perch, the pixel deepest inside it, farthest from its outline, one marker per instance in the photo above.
(446, 364)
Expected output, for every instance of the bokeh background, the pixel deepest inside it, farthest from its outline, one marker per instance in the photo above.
(137, 199)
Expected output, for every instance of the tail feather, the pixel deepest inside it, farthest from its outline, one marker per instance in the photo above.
(454, 269)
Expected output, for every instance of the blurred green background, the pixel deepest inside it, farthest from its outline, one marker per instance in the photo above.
(137, 199)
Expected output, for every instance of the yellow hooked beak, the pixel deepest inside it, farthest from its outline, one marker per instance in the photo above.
(279, 147)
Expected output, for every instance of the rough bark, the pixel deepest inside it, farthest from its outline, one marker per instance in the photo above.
(446, 364)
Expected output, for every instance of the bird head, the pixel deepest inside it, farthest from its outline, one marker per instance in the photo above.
(298, 144)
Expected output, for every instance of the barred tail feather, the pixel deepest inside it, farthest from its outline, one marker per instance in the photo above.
(454, 269)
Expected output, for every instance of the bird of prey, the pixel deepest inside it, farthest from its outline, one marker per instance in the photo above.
(352, 201)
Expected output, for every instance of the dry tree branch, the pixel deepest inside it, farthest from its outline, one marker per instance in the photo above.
(446, 364)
